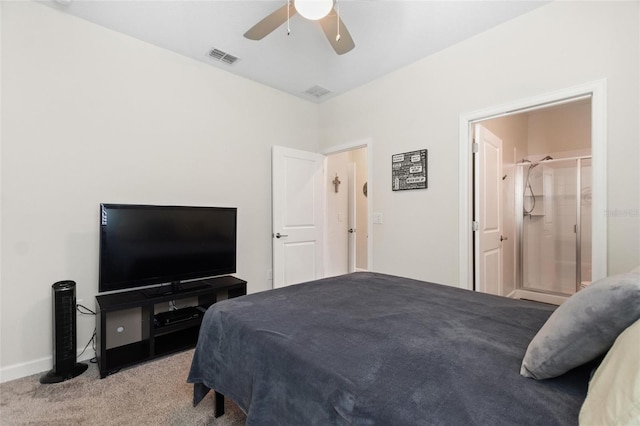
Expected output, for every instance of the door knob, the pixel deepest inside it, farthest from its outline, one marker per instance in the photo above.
(279, 235)
(502, 238)
(351, 230)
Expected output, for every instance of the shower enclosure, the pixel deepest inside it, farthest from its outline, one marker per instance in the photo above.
(553, 225)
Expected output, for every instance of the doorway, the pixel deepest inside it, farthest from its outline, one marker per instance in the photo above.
(347, 212)
(540, 190)
(300, 188)
(514, 283)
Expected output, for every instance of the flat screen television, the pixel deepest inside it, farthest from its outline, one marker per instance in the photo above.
(142, 245)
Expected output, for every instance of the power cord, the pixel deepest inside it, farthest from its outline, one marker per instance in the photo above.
(92, 340)
(86, 311)
(83, 310)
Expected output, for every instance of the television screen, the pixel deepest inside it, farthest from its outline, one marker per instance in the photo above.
(143, 245)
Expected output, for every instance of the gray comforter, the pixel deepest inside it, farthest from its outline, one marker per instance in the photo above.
(374, 349)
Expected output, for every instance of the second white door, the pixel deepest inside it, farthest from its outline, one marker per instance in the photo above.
(298, 216)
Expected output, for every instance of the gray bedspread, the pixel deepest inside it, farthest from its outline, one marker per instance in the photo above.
(374, 349)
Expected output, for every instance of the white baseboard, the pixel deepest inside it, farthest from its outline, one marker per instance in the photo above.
(24, 369)
(42, 365)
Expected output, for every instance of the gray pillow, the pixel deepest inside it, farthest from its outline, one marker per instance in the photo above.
(584, 326)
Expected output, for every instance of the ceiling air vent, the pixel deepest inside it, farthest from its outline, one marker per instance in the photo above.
(222, 56)
(317, 91)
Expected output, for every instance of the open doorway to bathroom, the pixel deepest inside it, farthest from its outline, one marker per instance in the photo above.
(596, 92)
(532, 181)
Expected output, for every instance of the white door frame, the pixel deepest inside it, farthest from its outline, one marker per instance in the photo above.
(350, 146)
(597, 90)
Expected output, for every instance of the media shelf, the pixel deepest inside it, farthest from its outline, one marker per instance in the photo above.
(129, 330)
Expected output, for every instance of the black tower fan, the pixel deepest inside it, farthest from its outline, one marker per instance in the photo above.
(65, 366)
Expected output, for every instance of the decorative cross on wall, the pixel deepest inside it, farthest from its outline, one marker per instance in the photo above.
(336, 182)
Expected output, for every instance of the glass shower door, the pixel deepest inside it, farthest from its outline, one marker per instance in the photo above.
(549, 238)
(585, 222)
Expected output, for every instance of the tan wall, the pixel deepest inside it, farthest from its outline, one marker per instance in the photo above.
(566, 128)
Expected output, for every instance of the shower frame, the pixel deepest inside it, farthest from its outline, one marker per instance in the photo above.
(519, 209)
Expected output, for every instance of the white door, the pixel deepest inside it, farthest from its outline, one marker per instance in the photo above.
(298, 216)
(351, 229)
(488, 211)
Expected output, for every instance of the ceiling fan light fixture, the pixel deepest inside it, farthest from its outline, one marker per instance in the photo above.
(313, 9)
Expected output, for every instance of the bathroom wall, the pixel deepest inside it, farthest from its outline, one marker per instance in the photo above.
(561, 129)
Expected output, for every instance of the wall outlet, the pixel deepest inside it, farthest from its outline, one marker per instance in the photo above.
(269, 274)
(377, 217)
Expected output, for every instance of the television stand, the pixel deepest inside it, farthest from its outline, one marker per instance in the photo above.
(136, 326)
(176, 288)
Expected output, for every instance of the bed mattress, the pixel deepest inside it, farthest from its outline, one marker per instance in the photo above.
(376, 349)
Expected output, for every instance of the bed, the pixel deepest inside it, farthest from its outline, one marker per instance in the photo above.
(375, 349)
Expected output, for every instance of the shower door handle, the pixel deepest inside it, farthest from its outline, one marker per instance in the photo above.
(503, 238)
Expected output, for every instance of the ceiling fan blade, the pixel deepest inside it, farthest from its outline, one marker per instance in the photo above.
(330, 27)
(270, 23)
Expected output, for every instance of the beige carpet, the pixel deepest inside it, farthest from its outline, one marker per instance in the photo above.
(154, 393)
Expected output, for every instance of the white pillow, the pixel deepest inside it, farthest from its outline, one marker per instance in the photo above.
(614, 390)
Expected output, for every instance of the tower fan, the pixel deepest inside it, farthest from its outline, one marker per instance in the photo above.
(65, 366)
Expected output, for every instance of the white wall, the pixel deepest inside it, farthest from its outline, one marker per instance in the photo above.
(90, 116)
(557, 46)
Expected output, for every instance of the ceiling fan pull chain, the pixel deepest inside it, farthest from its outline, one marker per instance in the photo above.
(338, 20)
(288, 27)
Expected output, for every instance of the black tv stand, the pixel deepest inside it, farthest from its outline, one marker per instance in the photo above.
(161, 332)
(164, 319)
(176, 288)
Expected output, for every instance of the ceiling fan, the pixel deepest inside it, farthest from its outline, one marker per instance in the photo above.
(321, 10)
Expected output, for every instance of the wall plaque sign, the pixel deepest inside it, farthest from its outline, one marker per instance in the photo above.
(409, 170)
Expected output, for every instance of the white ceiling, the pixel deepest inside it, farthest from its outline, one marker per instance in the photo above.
(388, 34)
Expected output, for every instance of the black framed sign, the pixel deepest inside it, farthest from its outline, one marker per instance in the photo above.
(409, 170)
